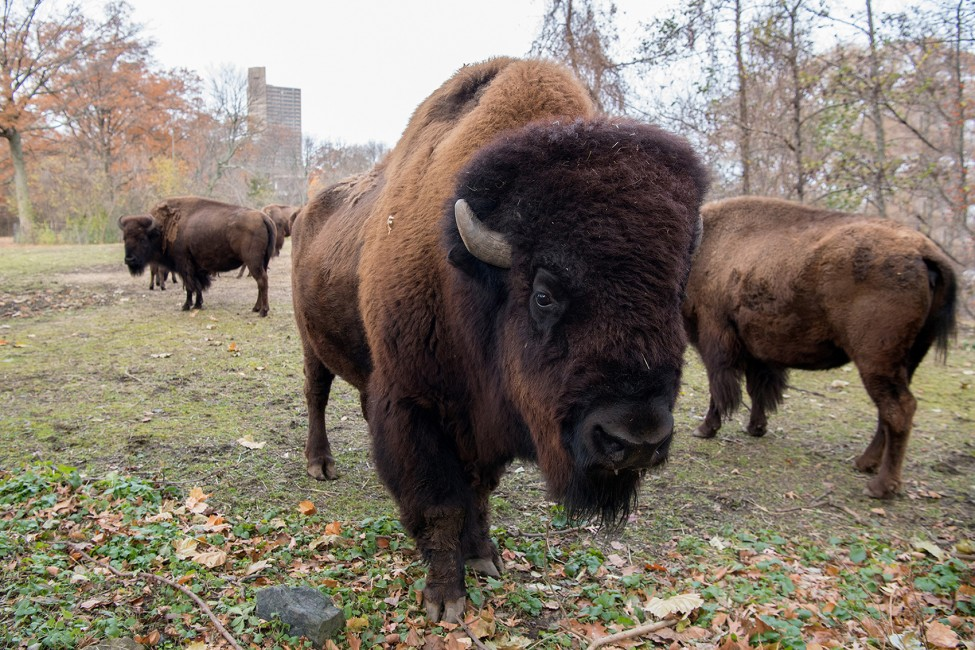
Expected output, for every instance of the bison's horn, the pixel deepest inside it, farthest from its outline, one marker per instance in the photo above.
(482, 242)
(698, 234)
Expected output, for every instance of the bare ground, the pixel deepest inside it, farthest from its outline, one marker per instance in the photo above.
(98, 372)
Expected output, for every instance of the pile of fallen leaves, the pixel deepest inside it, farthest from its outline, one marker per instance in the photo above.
(86, 559)
(31, 303)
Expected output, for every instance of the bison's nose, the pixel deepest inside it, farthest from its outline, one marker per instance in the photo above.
(624, 437)
(129, 259)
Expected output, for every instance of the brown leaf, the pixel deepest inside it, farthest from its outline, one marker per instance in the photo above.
(307, 508)
(941, 635)
(211, 559)
(334, 528)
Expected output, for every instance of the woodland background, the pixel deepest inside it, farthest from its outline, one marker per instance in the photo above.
(841, 105)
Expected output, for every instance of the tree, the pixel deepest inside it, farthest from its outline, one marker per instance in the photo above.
(114, 114)
(34, 53)
(581, 34)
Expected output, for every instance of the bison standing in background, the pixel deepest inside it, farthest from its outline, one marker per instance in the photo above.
(778, 285)
(282, 216)
(505, 284)
(197, 237)
(157, 276)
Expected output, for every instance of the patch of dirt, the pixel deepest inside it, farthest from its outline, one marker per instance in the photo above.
(26, 304)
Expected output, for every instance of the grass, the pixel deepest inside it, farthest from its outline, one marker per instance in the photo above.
(116, 386)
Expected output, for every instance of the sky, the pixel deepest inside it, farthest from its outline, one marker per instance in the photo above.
(362, 66)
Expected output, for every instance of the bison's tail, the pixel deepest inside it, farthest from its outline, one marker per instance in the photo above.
(271, 235)
(939, 327)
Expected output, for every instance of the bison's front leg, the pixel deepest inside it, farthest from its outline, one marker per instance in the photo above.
(444, 596)
(417, 460)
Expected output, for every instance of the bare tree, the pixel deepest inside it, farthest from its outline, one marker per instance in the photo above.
(582, 34)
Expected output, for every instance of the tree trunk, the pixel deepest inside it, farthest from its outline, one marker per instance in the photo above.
(744, 126)
(25, 211)
(796, 101)
(879, 180)
(963, 200)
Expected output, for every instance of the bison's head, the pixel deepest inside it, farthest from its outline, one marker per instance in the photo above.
(141, 236)
(572, 245)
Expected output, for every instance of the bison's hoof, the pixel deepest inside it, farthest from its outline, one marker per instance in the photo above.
(704, 431)
(867, 464)
(757, 432)
(322, 470)
(487, 566)
(880, 488)
(450, 611)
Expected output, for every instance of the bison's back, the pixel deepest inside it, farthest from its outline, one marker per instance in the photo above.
(804, 287)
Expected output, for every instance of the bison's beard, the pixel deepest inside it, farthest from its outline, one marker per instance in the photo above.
(136, 268)
(604, 496)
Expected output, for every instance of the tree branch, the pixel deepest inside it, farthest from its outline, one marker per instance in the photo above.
(175, 585)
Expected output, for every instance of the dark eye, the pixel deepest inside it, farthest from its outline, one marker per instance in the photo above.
(543, 300)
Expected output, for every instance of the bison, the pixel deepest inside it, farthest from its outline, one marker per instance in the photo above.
(197, 237)
(778, 285)
(506, 283)
(158, 275)
(282, 216)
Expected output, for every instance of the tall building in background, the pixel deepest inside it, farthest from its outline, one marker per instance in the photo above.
(274, 114)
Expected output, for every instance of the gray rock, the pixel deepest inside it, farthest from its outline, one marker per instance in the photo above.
(305, 611)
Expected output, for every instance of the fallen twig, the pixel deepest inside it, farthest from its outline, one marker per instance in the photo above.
(547, 533)
(845, 509)
(467, 631)
(629, 634)
(175, 585)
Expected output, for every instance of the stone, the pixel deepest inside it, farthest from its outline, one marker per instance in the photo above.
(305, 610)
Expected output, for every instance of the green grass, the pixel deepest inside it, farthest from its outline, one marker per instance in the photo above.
(99, 374)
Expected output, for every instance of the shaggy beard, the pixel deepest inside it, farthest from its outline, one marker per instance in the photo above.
(602, 496)
(137, 269)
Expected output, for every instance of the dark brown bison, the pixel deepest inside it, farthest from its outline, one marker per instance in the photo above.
(778, 285)
(197, 237)
(158, 274)
(282, 216)
(505, 283)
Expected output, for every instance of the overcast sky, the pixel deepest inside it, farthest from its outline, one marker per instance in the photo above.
(362, 65)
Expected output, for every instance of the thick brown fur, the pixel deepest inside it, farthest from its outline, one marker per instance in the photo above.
(198, 237)
(778, 285)
(571, 357)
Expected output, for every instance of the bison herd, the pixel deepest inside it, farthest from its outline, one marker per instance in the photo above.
(519, 278)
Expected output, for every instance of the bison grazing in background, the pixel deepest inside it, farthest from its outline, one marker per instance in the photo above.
(778, 285)
(505, 283)
(282, 216)
(197, 237)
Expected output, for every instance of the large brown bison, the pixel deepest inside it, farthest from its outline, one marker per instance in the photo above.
(282, 216)
(505, 283)
(778, 285)
(197, 237)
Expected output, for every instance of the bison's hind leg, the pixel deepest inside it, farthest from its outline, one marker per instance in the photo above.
(895, 413)
(318, 453)
(260, 275)
(765, 385)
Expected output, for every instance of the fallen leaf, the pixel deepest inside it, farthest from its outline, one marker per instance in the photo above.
(232, 347)
(357, 623)
(334, 528)
(211, 559)
(257, 567)
(185, 548)
(248, 441)
(931, 548)
(683, 603)
(941, 635)
(161, 355)
(307, 508)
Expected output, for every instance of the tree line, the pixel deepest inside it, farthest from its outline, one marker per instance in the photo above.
(94, 129)
(822, 102)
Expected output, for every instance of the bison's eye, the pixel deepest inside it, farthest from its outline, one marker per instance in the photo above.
(548, 300)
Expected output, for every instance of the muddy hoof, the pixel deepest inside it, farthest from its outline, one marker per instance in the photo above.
(451, 611)
(322, 470)
(879, 488)
(704, 432)
(485, 566)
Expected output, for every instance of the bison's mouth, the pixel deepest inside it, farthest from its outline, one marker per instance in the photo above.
(135, 267)
(613, 446)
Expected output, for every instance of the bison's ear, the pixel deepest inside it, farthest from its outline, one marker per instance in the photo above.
(461, 258)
